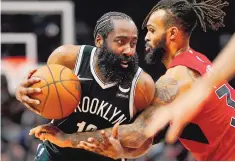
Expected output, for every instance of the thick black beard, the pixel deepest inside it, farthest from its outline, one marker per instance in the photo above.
(156, 54)
(110, 66)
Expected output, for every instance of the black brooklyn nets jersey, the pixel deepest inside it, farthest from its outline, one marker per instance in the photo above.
(101, 106)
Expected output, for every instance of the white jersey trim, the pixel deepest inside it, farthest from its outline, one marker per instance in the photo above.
(132, 94)
(78, 60)
(98, 80)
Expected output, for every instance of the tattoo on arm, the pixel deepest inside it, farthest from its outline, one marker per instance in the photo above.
(75, 138)
(166, 90)
(193, 74)
(131, 135)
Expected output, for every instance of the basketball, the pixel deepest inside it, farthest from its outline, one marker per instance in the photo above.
(61, 91)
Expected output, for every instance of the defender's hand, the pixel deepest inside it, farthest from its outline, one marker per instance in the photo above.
(110, 146)
(51, 133)
(23, 91)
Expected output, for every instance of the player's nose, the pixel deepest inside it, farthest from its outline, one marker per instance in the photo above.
(146, 38)
(129, 51)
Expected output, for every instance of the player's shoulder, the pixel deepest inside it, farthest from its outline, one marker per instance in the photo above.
(86, 49)
(70, 48)
(176, 72)
(191, 58)
(67, 48)
(144, 91)
(145, 80)
(64, 55)
(64, 51)
(198, 57)
(179, 76)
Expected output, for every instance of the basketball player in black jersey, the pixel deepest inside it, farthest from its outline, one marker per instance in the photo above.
(114, 88)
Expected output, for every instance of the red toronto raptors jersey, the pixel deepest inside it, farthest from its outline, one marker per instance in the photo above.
(211, 134)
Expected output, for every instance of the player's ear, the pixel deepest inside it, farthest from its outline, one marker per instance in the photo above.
(99, 41)
(172, 32)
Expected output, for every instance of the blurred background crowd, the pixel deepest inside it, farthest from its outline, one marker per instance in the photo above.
(31, 31)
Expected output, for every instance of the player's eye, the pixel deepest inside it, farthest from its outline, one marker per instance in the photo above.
(120, 42)
(133, 44)
(151, 30)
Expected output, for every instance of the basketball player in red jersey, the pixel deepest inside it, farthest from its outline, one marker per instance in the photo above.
(210, 135)
(222, 69)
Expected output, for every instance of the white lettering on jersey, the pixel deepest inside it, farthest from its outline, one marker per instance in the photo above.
(78, 108)
(86, 101)
(103, 109)
(120, 119)
(94, 105)
(114, 113)
(107, 112)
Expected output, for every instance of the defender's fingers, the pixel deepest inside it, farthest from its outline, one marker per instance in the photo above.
(93, 141)
(93, 149)
(174, 131)
(116, 144)
(105, 136)
(91, 146)
(87, 146)
(115, 130)
(98, 144)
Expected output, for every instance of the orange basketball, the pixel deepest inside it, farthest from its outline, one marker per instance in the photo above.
(61, 91)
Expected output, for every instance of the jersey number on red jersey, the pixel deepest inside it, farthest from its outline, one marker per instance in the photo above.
(224, 91)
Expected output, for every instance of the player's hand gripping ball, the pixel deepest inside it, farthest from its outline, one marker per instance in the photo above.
(60, 91)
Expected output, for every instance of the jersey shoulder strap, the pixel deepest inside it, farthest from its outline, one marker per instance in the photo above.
(132, 93)
(193, 60)
(83, 58)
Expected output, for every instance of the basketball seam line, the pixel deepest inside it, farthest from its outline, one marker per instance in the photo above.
(48, 84)
(58, 82)
(67, 89)
(56, 89)
(48, 92)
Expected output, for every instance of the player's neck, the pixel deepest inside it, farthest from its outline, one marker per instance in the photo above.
(175, 50)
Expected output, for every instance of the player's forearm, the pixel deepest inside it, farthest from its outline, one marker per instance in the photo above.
(134, 135)
(130, 136)
(74, 139)
(131, 153)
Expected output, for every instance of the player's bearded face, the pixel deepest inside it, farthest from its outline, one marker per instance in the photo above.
(155, 54)
(110, 66)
